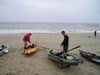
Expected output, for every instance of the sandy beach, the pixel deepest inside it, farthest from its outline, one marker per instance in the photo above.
(14, 63)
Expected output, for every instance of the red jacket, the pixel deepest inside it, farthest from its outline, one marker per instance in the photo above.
(27, 38)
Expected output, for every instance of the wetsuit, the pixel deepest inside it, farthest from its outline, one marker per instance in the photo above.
(65, 43)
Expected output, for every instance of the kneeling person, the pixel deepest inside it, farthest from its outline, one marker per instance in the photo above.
(26, 39)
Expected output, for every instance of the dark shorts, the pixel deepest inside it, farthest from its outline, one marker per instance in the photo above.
(65, 48)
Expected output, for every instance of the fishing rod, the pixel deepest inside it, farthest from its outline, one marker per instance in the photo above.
(37, 39)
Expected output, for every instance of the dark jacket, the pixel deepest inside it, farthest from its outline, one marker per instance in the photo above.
(66, 40)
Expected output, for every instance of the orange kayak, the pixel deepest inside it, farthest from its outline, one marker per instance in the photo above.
(30, 50)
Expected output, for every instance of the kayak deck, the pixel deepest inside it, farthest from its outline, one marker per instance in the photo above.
(4, 51)
(30, 51)
(63, 60)
(90, 56)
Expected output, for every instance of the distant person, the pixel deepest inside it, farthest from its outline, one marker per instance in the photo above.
(65, 42)
(95, 33)
(26, 39)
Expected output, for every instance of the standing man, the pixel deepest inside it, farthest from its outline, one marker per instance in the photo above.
(26, 39)
(65, 42)
(95, 33)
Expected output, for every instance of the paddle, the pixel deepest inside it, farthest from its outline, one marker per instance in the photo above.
(74, 48)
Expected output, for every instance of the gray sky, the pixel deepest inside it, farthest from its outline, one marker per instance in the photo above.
(81, 11)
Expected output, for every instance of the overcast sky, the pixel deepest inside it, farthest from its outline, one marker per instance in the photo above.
(79, 11)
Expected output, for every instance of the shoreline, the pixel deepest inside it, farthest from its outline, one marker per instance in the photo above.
(44, 33)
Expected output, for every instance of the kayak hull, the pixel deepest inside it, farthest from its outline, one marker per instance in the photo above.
(52, 55)
(90, 56)
(30, 51)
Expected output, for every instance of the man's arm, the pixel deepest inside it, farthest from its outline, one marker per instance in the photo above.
(62, 42)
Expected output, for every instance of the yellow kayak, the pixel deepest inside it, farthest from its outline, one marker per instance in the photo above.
(30, 51)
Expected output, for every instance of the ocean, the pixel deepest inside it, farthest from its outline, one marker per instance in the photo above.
(17, 27)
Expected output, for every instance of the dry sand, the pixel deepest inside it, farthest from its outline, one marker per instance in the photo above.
(13, 63)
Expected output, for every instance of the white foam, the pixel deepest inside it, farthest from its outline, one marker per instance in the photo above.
(13, 31)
